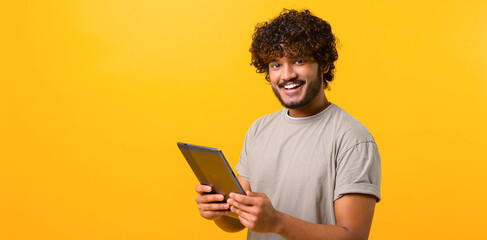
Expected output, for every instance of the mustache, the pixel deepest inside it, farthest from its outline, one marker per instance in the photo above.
(296, 81)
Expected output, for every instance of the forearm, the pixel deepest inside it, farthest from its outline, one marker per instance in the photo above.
(229, 224)
(293, 228)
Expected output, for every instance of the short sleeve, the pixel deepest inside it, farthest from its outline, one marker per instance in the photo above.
(242, 165)
(359, 171)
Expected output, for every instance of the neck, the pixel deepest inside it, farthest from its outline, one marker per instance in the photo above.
(318, 104)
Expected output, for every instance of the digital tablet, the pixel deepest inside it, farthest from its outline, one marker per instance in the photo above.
(211, 168)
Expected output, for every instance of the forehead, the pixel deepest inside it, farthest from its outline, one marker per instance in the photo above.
(292, 58)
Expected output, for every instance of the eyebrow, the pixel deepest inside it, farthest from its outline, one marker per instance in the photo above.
(292, 58)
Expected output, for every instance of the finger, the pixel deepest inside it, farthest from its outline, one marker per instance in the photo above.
(214, 207)
(247, 200)
(242, 214)
(240, 206)
(208, 198)
(203, 189)
(213, 214)
(245, 222)
(255, 194)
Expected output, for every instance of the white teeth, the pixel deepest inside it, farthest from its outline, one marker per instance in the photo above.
(292, 85)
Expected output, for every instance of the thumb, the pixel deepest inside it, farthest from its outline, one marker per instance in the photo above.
(255, 194)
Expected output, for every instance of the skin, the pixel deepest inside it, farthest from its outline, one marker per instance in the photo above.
(305, 69)
(217, 211)
(353, 212)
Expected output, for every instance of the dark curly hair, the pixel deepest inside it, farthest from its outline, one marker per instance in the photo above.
(296, 34)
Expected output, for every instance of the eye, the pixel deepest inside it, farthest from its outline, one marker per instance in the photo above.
(300, 61)
(274, 65)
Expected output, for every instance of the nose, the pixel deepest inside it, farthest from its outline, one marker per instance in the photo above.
(288, 72)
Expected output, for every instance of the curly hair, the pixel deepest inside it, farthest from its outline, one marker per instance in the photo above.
(296, 34)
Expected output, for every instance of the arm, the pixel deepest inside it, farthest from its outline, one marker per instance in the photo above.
(217, 211)
(353, 213)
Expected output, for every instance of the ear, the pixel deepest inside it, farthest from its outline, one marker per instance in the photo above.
(325, 69)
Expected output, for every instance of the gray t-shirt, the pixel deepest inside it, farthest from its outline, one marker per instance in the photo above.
(304, 164)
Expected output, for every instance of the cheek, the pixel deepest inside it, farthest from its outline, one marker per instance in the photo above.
(274, 78)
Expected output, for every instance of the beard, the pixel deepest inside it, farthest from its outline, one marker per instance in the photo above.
(313, 89)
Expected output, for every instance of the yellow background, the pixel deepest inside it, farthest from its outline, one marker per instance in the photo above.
(94, 96)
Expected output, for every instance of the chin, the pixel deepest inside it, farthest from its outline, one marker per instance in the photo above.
(293, 104)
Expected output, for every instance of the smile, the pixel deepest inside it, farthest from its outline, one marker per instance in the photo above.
(291, 85)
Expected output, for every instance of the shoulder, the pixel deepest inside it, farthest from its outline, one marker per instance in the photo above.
(348, 130)
(265, 121)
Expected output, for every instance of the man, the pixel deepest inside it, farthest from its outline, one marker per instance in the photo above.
(310, 171)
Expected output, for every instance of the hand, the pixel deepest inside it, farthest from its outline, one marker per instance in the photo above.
(207, 203)
(255, 211)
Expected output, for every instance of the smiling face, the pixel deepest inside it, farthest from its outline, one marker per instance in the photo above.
(296, 81)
